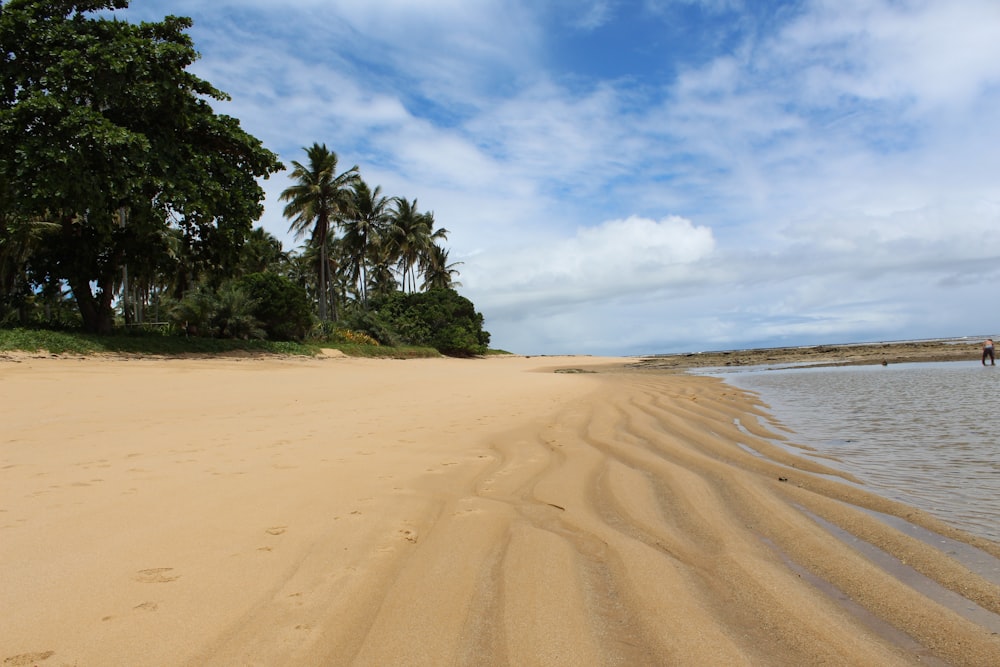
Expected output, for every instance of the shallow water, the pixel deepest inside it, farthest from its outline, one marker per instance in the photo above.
(925, 434)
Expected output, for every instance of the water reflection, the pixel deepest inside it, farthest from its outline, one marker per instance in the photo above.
(925, 434)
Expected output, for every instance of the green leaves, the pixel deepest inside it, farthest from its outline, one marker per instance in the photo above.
(319, 197)
(281, 306)
(439, 318)
(99, 115)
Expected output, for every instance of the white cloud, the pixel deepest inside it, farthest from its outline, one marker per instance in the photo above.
(930, 53)
(596, 263)
(592, 15)
(839, 158)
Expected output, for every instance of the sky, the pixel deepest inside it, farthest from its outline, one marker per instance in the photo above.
(628, 177)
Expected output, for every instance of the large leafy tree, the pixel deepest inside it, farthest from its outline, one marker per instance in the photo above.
(319, 198)
(104, 132)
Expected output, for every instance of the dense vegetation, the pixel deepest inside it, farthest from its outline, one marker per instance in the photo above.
(127, 202)
(160, 344)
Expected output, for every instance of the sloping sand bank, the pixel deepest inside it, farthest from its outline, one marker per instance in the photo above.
(443, 512)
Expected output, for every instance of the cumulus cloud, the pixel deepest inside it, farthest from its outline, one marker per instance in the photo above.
(601, 262)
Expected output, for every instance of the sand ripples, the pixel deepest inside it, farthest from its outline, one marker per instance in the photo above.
(634, 529)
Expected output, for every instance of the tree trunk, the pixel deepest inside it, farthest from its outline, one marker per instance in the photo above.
(319, 237)
(95, 311)
(322, 283)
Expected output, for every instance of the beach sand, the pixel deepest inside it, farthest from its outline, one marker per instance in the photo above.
(492, 511)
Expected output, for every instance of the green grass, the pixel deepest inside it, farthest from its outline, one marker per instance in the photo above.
(157, 344)
(377, 351)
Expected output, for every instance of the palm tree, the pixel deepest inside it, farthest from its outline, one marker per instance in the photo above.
(319, 197)
(309, 269)
(411, 235)
(438, 273)
(261, 252)
(381, 278)
(363, 230)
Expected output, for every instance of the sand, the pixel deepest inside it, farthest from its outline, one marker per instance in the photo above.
(341, 511)
(857, 354)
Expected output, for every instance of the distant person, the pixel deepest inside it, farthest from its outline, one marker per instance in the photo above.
(988, 352)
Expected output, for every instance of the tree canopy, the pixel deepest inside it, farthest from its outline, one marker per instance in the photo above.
(438, 318)
(105, 134)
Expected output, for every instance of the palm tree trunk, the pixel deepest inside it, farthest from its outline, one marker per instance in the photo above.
(323, 278)
(364, 285)
(322, 284)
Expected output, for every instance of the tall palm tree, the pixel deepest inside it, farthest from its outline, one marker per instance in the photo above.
(362, 230)
(319, 198)
(438, 273)
(411, 235)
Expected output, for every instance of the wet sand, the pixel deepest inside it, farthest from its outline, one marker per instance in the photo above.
(445, 512)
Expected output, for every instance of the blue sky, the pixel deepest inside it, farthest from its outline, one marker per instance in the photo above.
(642, 176)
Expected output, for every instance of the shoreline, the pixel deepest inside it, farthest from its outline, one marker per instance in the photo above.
(821, 355)
(441, 511)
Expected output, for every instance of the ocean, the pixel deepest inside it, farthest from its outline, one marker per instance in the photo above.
(925, 434)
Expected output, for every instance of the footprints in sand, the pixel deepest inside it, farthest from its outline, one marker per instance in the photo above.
(406, 534)
(152, 575)
(156, 575)
(273, 530)
(27, 659)
(443, 464)
(147, 606)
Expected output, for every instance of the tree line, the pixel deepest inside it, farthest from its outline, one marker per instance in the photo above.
(125, 198)
(384, 243)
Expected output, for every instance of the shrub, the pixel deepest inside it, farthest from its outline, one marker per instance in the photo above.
(234, 315)
(439, 318)
(226, 313)
(371, 324)
(282, 307)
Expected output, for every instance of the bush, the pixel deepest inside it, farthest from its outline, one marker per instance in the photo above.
(369, 323)
(439, 318)
(234, 315)
(226, 313)
(354, 337)
(282, 307)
